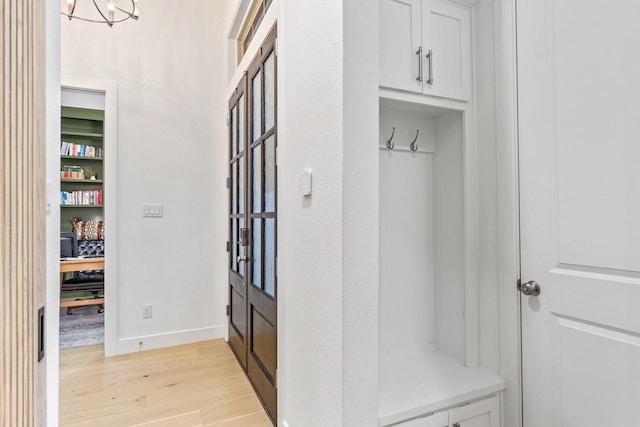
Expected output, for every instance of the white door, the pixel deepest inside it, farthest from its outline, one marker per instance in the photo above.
(400, 38)
(579, 138)
(446, 42)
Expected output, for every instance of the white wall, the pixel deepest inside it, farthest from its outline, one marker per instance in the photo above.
(328, 275)
(170, 69)
(310, 235)
(360, 214)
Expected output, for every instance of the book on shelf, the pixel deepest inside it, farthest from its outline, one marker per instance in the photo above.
(79, 150)
(71, 172)
(81, 198)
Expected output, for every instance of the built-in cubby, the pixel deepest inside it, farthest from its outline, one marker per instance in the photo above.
(428, 262)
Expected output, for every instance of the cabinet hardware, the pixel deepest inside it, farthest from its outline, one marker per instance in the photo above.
(430, 58)
(419, 53)
(242, 258)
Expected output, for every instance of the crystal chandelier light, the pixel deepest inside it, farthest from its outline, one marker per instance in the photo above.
(103, 11)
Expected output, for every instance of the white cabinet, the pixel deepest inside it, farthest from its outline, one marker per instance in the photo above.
(431, 281)
(428, 264)
(482, 413)
(400, 39)
(425, 47)
(439, 419)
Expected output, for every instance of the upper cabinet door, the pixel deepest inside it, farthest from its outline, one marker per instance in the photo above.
(446, 36)
(400, 35)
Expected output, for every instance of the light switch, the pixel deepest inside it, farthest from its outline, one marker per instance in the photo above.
(152, 211)
(305, 183)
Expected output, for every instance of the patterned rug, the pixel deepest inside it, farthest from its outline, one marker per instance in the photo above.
(83, 328)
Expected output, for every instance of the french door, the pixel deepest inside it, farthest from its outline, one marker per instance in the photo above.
(253, 224)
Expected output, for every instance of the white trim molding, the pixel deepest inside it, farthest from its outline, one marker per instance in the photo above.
(150, 342)
(508, 211)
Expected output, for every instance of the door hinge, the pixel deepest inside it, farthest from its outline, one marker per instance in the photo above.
(518, 284)
(228, 310)
(228, 246)
(228, 119)
(228, 182)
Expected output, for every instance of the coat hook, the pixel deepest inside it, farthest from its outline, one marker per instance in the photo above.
(413, 146)
(390, 144)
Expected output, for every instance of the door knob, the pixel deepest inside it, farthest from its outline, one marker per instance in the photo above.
(531, 288)
(242, 259)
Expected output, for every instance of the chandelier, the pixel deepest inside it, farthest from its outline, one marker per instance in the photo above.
(103, 11)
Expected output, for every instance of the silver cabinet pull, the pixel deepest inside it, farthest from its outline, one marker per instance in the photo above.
(430, 58)
(419, 53)
(242, 259)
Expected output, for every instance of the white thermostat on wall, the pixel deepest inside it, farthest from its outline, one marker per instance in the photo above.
(305, 183)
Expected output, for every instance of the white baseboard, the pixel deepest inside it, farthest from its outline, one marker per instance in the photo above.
(169, 339)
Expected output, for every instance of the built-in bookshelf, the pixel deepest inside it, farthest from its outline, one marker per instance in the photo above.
(81, 165)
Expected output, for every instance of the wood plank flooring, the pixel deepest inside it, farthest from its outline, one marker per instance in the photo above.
(185, 386)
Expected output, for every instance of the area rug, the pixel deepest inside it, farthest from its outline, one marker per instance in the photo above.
(83, 328)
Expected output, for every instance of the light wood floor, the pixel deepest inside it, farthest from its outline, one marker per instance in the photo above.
(185, 386)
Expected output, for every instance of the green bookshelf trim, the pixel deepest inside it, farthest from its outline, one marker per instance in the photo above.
(82, 113)
(80, 133)
(83, 181)
(95, 159)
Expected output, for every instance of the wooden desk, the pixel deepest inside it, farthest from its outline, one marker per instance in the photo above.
(80, 264)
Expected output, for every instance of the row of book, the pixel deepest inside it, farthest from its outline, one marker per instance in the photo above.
(81, 197)
(72, 172)
(79, 150)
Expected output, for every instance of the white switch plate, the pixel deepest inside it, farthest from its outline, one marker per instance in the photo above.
(305, 183)
(152, 211)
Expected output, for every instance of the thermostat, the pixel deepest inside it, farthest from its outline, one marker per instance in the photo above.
(305, 183)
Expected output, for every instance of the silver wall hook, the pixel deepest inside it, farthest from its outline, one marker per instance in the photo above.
(390, 144)
(413, 146)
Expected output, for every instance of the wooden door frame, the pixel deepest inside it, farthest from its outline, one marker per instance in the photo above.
(265, 306)
(240, 91)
